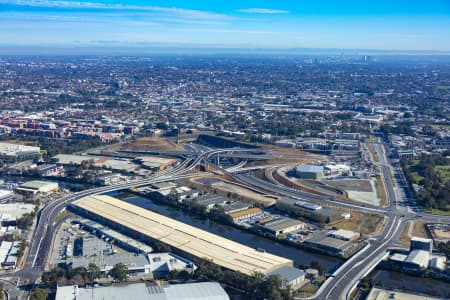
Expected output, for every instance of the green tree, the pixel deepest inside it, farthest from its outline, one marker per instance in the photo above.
(318, 266)
(184, 275)
(52, 276)
(93, 272)
(38, 294)
(119, 272)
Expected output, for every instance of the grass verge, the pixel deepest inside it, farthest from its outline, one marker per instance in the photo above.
(404, 238)
(381, 191)
(436, 211)
(372, 150)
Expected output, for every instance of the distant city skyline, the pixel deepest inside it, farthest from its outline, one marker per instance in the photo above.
(400, 25)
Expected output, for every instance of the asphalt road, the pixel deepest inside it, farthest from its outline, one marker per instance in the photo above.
(344, 279)
(41, 241)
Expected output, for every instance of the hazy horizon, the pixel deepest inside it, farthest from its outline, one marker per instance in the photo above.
(322, 24)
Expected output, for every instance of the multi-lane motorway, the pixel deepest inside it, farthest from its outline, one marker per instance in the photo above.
(340, 284)
(346, 278)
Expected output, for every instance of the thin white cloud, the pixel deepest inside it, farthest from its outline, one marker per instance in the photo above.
(264, 11)
(187, 13)
(244, 31)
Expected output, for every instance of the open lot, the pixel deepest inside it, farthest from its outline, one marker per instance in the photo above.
(359, 190)
(368, 224)
(224, 188)
(419, 230)
(358, 185)
(287, 156)
(152, 143)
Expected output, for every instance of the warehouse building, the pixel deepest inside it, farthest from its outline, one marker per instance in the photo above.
(345, 235)
(379, 294)
(13, 152)
(140, 291)
(185, 240)
(308, 210)
(290, 276)
(309, 172)
(417, 260)
(137, 264)
(418, 243)
(245, 214)
(322, 241)
(10, 212)
(280, 226)
(114, 237)
(8, 254)
(38, 187)
(161, 264)
(6, 195)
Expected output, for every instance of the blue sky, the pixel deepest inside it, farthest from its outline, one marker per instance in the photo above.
(346, 24)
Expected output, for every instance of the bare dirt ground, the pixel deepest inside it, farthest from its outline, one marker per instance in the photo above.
(152, 143)
(362, 222)
(224, 188)
(418, 230)
(359, 185)
(404, 238)
(287, 156)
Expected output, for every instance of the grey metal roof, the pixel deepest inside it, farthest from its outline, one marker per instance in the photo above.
(310, 168)
(139, 291)
(196, 291)
(288, 273)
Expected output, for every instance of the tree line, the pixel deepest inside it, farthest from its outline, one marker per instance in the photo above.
(436, 191)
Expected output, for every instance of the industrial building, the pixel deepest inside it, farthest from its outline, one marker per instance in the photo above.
(281, 225)
(309, 172)
(10, 212)
(186, 240)
(418, 243)
(290, 276)
(114, 237)
(161, 264)
(8, 254)
(89, 245)
(6, 195)
(38, 186)
(12, 152)
(140, 291)
(417, 260)
(245, 214)
(382, 294)
(323, 242)
(345, 235)
(420, 258)
(137, 264)
(308, 210)
(49, 169)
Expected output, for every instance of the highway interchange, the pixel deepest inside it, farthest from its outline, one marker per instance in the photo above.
(339, 285)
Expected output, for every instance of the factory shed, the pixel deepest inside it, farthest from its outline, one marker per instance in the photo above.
(186, 240)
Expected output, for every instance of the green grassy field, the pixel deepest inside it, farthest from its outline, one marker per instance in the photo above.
(443, 172)
(381, 192)
(438, 212)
